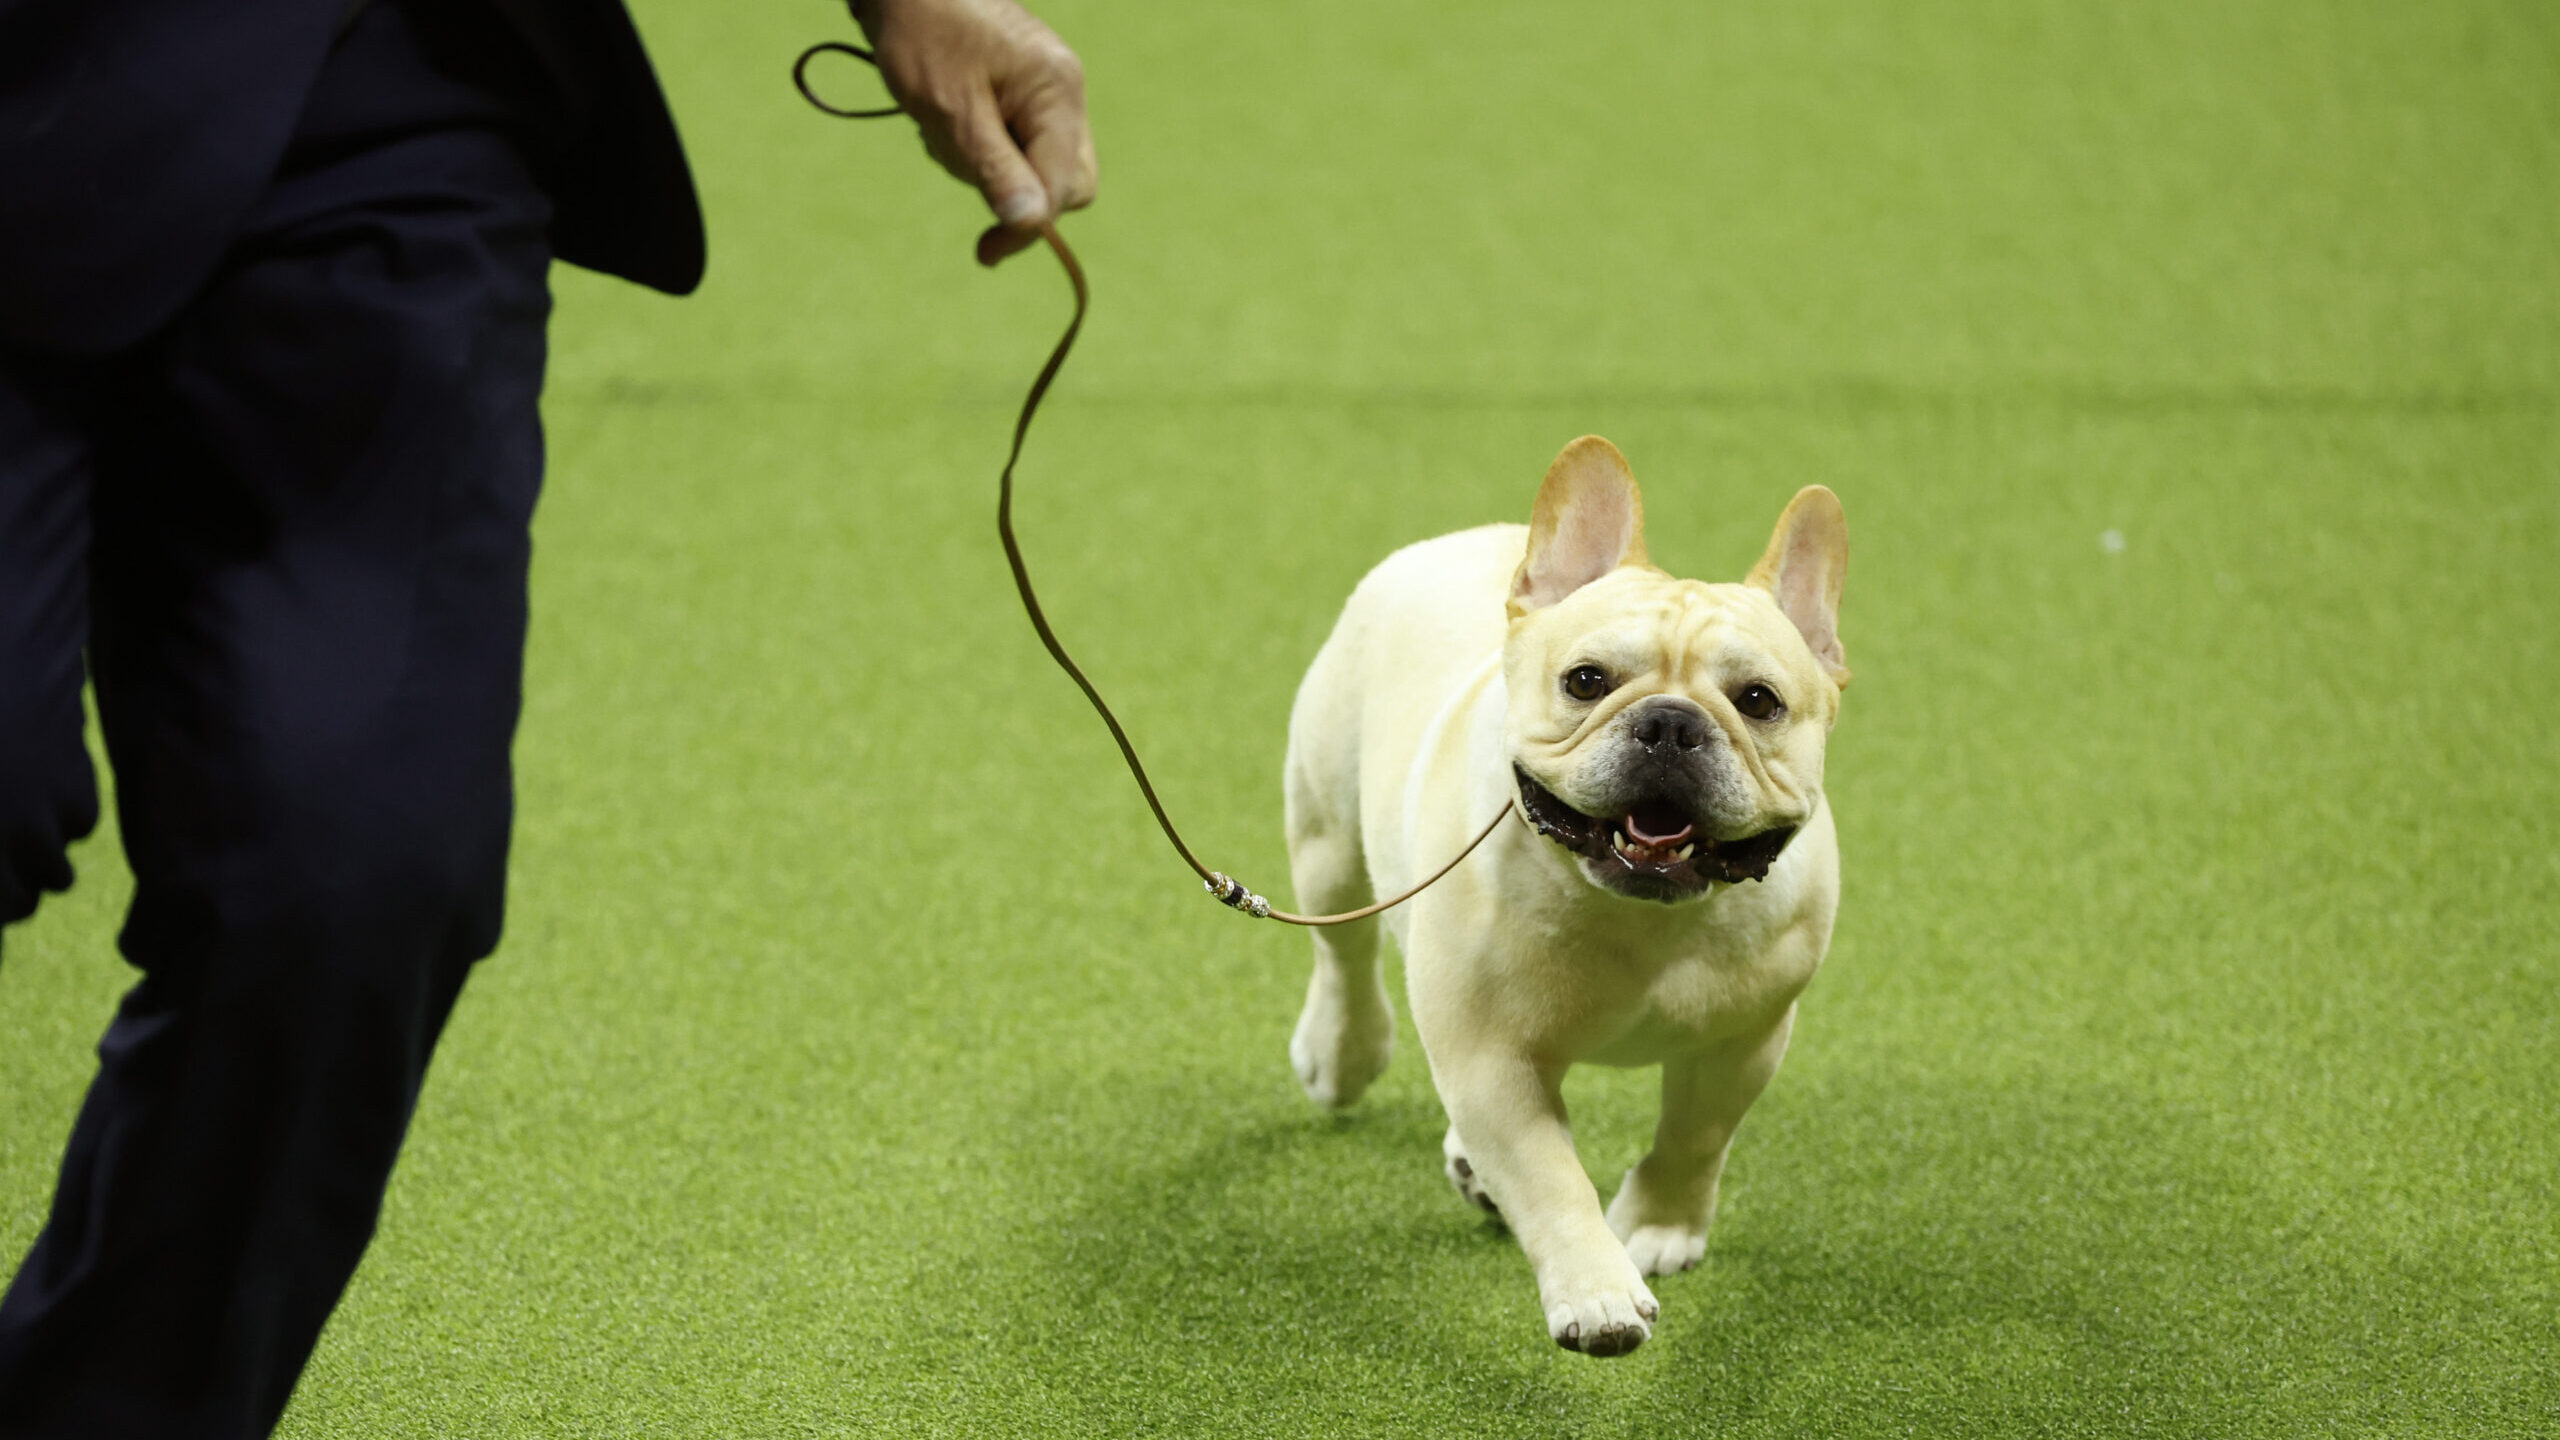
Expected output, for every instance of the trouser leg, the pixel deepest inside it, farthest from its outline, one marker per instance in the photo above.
(48, 798)
(311, 545)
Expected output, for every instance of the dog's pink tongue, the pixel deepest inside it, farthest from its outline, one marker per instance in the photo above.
(1658, 826)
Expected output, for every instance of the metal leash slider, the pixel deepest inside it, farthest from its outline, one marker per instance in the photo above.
(1230, 891)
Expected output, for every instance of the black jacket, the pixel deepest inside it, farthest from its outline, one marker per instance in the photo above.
(134, 134)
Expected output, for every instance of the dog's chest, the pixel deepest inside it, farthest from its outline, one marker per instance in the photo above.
(1703, 999)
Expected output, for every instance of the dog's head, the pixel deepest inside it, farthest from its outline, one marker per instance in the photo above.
(1669, 733)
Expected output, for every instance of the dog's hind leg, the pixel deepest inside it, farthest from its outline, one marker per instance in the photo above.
(1347, 1031)
(1462, 1174)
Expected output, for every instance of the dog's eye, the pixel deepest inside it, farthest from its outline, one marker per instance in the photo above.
(1586, 682)
(1758, 701)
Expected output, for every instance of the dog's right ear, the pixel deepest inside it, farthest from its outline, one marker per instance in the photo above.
(1589, 521)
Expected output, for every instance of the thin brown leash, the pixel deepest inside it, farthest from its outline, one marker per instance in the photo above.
(1224, 887)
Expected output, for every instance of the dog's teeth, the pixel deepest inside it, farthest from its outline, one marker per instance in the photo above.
(1685, 851)
(1618, 839)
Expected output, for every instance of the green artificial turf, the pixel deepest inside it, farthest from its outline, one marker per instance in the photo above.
(858, 1061)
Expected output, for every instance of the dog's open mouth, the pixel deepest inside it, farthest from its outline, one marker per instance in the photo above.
(1655, 850)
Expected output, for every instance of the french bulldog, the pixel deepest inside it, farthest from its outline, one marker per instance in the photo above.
(1666, 897)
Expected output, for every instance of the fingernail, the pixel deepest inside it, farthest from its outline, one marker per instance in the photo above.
(1022, 207)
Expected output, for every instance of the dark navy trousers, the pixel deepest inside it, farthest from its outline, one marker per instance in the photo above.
(285, 538)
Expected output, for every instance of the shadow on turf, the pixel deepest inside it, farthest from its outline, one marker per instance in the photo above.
(2002, 1257)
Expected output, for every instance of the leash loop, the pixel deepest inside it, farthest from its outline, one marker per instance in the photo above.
(1224, 888)
(800, 78)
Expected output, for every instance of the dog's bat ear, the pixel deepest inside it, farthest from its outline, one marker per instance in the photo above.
(1807, 558)
(1589, 521)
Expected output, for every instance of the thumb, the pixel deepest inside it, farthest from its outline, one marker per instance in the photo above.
(999, 169)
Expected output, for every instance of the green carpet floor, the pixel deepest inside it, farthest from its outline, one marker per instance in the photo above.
(858, 1062)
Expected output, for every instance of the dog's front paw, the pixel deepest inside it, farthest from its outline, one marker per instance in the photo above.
(1343, 1040)
(1602, 1316)
(1665, 1249)
(1664, 1236)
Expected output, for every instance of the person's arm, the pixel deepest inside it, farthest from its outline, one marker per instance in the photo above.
(1000, 99)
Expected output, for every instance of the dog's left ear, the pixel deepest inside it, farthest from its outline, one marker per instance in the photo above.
(1589, 521)
(1807, 558)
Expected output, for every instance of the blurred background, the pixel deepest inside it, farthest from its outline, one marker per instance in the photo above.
(859, 1061)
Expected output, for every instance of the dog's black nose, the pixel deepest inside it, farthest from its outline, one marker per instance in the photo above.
(1670, 724)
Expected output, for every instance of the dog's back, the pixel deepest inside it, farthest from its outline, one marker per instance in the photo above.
(1427, 620)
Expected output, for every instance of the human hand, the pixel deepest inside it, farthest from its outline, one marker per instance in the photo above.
(1000, 99)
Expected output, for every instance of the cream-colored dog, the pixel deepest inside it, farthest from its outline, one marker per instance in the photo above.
(1663, 740)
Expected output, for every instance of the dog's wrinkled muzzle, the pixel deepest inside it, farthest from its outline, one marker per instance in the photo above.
(1654, 850)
